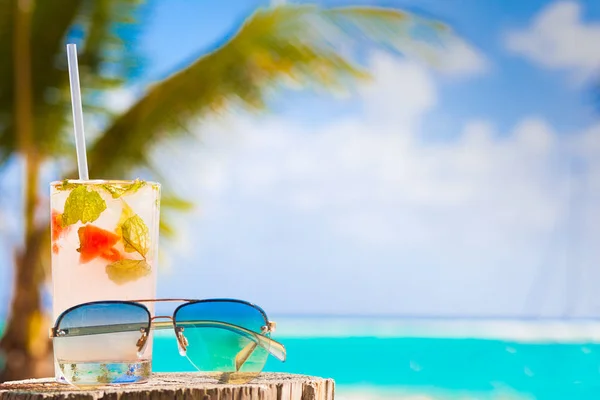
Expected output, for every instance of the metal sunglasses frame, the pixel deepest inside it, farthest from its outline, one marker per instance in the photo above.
(256, 339)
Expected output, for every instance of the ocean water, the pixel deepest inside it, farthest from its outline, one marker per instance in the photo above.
(387, 358)
(427, 359)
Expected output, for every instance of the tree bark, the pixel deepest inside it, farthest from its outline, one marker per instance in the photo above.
(192, 386)
(25, 347)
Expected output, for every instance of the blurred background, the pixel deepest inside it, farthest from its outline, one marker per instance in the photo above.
(411, 189)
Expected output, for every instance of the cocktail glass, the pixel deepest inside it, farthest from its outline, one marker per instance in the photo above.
(104, 247)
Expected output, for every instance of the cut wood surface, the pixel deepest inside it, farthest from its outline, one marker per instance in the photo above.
(163, 386)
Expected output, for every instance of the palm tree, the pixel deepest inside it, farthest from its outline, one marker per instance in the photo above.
(274, 45)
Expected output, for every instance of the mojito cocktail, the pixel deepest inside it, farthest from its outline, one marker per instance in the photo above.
(104, 247)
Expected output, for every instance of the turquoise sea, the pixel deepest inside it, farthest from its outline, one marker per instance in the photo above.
(427, 359)
(391, 358)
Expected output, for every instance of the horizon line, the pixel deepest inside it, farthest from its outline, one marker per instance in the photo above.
(497, 317)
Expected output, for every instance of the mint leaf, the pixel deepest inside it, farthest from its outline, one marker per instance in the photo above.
(135, 186)
(114, 191)
(136, 236)
(126, 213)
(124, 271)
(82, 205)
(117, 191)
(66, 185)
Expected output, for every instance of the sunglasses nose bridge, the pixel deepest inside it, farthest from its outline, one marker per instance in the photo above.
(161, 317)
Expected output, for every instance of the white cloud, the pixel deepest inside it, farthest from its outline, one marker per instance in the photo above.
(452, 56)
(558, 38)
(119, 100)
(407, 93)
(461, 59)
(363, 208)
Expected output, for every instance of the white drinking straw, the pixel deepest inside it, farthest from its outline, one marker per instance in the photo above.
(77, 112)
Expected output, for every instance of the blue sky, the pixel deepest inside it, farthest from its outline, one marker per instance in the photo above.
(201, 26)
(428, 192)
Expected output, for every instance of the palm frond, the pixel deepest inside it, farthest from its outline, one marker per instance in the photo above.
(282, 44)
(107, 24)
(98, 27)
(7, 137)
(173, 202)
(169, 204)
(52, 21)
(7, 8)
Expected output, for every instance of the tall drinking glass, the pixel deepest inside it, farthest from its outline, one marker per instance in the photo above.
(104, 247)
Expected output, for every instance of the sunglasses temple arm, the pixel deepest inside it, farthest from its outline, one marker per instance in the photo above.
(103, 329)
(244, 355)
(275, 348)
(96, 330)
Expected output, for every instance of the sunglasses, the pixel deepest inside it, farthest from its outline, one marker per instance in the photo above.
(106, 342)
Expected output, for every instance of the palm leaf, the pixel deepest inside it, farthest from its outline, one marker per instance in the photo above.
(51, 23)
(99, 26)
(51, 20)
(102, 45)
(7, 137)
(170, 203)
(283, 44)
(7, 8)
(100, 23)
(176, 203)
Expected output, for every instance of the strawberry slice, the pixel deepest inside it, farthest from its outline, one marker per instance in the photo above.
(95, 242)
(112, 255)
(56, 225)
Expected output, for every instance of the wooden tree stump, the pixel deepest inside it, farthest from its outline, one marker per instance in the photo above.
(166, 386)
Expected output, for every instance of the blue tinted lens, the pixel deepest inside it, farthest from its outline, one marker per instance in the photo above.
(216, 346)
(97, 343)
